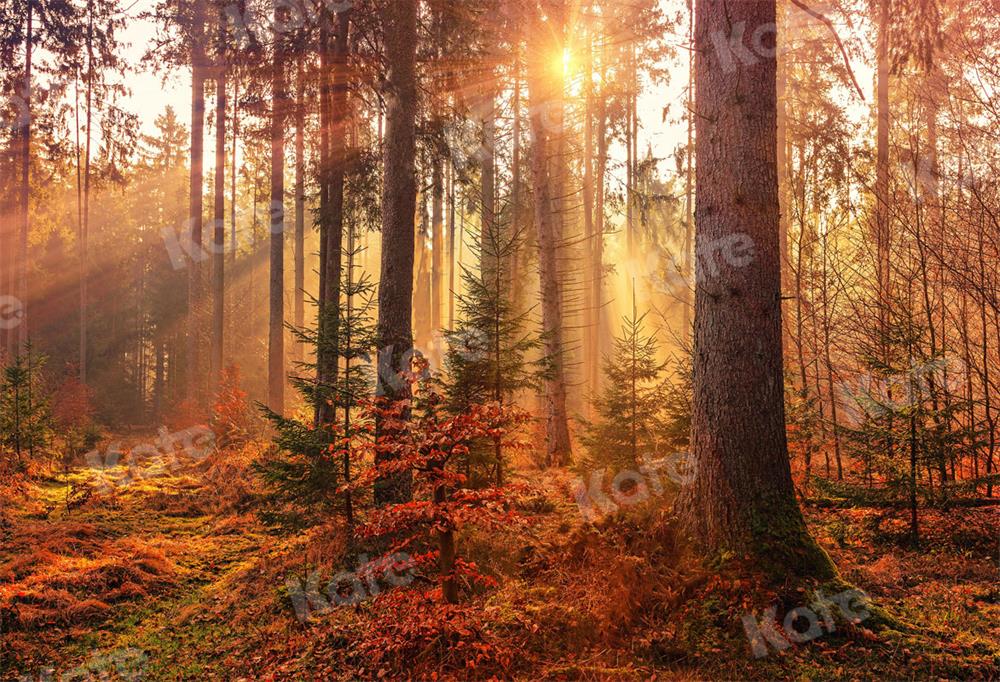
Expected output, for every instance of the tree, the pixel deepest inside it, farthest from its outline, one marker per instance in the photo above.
(742, 497)
(219, 222)
(25, 415)
(196, 202)
(276, 302)
(631, 423)
(399, 199)
(429, 442)
(487, 356)
(545, 95)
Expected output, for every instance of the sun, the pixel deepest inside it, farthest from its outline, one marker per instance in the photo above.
(567, 61)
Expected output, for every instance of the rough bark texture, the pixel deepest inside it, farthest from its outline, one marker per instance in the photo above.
(742, 497)
(399, 200)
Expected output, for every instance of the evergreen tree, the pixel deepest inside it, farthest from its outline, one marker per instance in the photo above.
(313, 462)
(488, 355)
(25, 416)
(633, 424)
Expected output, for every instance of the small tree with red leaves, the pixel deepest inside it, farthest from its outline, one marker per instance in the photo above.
(429, 440)
(234, 421)
(73, 414)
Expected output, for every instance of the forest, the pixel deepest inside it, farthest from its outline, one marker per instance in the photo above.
(499, 340)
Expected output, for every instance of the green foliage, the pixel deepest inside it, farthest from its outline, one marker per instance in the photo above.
(314, 452)
(489, 356)
(26, 425)
(641, 413)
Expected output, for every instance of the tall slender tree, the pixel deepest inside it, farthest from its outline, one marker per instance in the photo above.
(544, 85)
(276, 323)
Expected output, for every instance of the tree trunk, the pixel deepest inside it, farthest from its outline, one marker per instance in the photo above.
(437, 245)
(332, 210)
(194, 283)
(276, 323)
(546, 108)
(399, 197)
(742, 497)
(488, 236)
(25, 189)
(689, 184)
(219, 227)
(300, 206)
(85, 216)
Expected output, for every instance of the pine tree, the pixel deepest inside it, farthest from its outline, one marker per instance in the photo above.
(632, 424)
(25, 416)
(314, 462)
(488, 351)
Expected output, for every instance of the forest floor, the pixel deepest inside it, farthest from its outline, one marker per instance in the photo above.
(166, 578)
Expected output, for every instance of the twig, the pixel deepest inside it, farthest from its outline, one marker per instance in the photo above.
(829, 24)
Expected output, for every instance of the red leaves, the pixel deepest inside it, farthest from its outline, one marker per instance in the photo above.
(428, 443)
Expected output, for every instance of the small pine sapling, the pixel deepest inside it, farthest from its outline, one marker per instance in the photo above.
(631, 425)
(315, 452)
(488, 351)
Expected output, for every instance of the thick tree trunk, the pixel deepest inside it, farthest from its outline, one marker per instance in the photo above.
(276, 322)
(399, 197)
(742, 497)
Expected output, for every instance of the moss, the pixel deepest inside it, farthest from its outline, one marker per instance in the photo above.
(782, 544)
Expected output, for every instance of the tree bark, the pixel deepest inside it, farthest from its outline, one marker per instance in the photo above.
(85, 216)
(219, 227)
(196, 199)
(25, 189)
(333, 172)
(742, 497)
(399, 197)
(300, 205)
(276, 321)
(546, 123)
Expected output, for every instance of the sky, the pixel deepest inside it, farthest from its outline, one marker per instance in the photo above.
(151, 93)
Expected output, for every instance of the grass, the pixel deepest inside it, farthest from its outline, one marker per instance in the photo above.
(201, 596)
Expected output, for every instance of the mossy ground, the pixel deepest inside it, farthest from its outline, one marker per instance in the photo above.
(610, 600)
